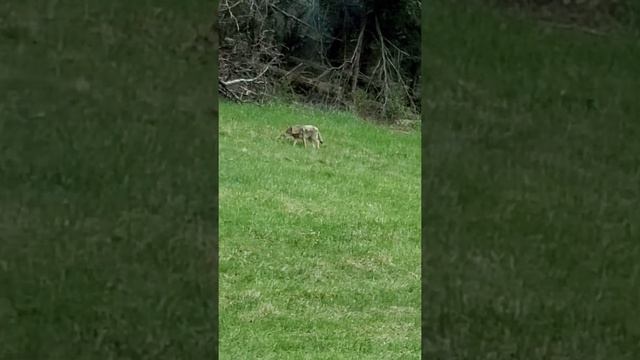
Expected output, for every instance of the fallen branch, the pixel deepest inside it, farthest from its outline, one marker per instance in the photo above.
(319, 67)
(222, 88)
(292, 70)
(235, 81)
(324, 87)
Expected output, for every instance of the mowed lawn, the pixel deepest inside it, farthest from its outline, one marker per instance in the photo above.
(107, 185)
(533, 171)
(319, 250)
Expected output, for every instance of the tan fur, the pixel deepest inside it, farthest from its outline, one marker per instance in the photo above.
(304, 133)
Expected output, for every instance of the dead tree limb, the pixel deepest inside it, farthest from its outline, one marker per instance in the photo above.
(323, 87)
(222, 88)
(235, 81)
(320, 67)
(355, 59)
(383, 58)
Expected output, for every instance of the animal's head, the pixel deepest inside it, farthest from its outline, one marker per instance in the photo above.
(293, 131)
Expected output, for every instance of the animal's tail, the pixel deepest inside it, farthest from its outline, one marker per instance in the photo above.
(320, 138)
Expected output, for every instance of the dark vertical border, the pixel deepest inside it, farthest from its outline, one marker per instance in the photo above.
(214, 172)
(61, 294)
(423, 195)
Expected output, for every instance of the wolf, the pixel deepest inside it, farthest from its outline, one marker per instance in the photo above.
(304, 132)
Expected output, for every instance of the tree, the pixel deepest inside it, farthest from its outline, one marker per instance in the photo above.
(332, 49)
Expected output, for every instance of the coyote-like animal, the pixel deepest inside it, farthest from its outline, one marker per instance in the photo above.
(304, 132)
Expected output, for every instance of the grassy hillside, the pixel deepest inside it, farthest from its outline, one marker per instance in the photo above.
(106, 182)
(319, 250)
(533, 171)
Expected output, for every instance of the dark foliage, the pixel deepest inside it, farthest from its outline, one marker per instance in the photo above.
(324, 50)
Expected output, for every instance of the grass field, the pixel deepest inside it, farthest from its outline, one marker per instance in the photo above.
(319, 250)
(533, 172)
(107, 185)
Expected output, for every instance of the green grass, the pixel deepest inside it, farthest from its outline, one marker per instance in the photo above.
(107, 185)
(319, 250)
(533, 170)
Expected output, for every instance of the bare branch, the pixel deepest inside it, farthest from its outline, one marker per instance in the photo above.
(231, 82)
